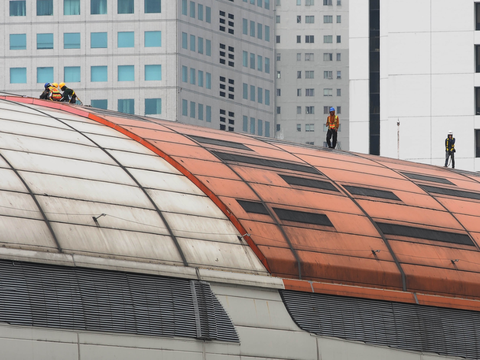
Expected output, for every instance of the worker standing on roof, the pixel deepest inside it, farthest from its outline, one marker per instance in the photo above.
(450, 149)
(333, 122)
(68, 94)
(55, 93)
(46, 92)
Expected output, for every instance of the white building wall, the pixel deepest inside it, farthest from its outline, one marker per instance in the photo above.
(427, 80)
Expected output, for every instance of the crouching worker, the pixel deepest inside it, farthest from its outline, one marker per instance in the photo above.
(68, 94)
(55, 94)
(46, 92)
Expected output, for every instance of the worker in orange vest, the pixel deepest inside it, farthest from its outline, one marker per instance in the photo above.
(333, 122)
(55, 94)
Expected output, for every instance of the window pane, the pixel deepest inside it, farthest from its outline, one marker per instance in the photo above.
(18, 75)
(153, 72)
(259, 63)
(126, 106)
(208, 81)
(126, 73)
(267, 128)
(184, 7)
(71, 7)
(125, 6)
(71, 74)
(208, 14)
(267, 4)
(184, 107)
(208, 113)
(153, 6)
(192, 76)
(184, 74)
(153, 106)
(260, 95)
(245, 91)
(153, 38)
(252, 125)
(192, 42)
(252, 28)
(44, 74)
(267, 97)
(208, 47)
(18, 41)
(267, 33)
(200, 45)
(260, 127)
(252, 92)
(245, 123)
(252, 61)
(44, 7)
(126, 39)
(98, 73)
(245, 26)
(18, 8)
(259, 31)
(193, 107)
(267, 65)
(184, 40)
(200, 78)
(192, 9)
(99, 104)
(44, 41)
(200, 17)
(98, 7)
(98, 40)
(71, 40)
(200, 111)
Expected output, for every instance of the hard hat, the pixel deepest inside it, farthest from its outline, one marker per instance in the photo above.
(61, 85)
(47, 85)
(332, 109)
(55, 84)
(450, 132)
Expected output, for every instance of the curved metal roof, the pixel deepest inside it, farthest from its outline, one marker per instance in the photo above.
(368, 226)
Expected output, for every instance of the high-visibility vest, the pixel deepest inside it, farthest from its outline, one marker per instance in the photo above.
(332, 124)
(55, 94)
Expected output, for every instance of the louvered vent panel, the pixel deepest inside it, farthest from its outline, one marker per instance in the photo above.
(110, 301)
(411, 327)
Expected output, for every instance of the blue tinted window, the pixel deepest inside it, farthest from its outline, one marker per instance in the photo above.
(192, 76)
(245, 123)
(126, 73)
(184, 74)
(267, 128)
(245, 59)
(44, 74)
(245, 26)
(200, 45)
(192, 42)
(153, 72)
(267, 4)
(208, 113)
(18, 8)
(200, 17)
(200, 78)
(153, 6)
(208, 47)
(267, 33)
(200, 111)
(208, 81)
(259, 31)
(125, 6)
(252, 125)
(100, 104)
(252, 28)
(259, 63)
(18, 41)
(98, 7)
(260, 127)
(153, 38)
(153, 106)
(126, 106)
(18, 75)
(252, 92)
(184, 40)
(184, 107)
(126, 39)
(208, 14)
(267, 97)
(44, 7)
(245, 91)
(184, 7)
(98, 40)
(98, 73)
(260, 95)
(252, 61)
(44, 41)
(71, 40)
(71, 7)
(71, 74)
(267, 65)
(192, 9)
(193, 106)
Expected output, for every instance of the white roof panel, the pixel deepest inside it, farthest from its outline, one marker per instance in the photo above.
(147, 161)
(118, 142)
(19, 205)
(10, 181)
(26, 233)
(164, 181)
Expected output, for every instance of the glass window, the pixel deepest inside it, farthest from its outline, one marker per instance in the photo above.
(98, 73)
(192, 42)
(245, 58)
(299, 74)
(200, 78)
(277, 39)
(245, 26)
(339, 92)
(192, 76)
(153, 106)
(252, 61)
(260, 127)
(184, 40)
(339, 74)
(44, 41)
(71, 40)
(18, 75)
(267, 65)
(184, 107)
(309, 39)
(245, 91)
(279, 56)
(299, 56)
(98, 7)
(309, 109)
(252, 93)
(299, 19)
(18, 41)
(327, 19)
(125, 7)
(208, 47)
(267, 128)
(153, 7)
(200, 17)
(44, 74)
(126, 39)
(299, 39)
(277, 19)
(267, 97)
(339, 19)
(252, 125)
(71, 74)
(309, 57)
(299, 92)
(309, 2)
(259, 3)
(339, 39)
(208, 113)
(153, 38)
(477, 142)
(252, 28)
(259, 95)
(309, 92)
(208, 14)
(184, 74)
(184, 7)
(327, 39)
(200, 111)
(208, 81)
(259, 31)
(327, 92)
(44, 7)
(99, 104)
(339, 56)
(327, 56)
(267, 33)
(245, 123)
(327, 2)
(18, 8)
(299, 127)
(98, 40)
(299, 110)
(259, 63)
(309, 74)
(267, 4)
(71, 7)
(153, 72)
(310, 19)
(126, 106)
(192, 9)
(193, 107)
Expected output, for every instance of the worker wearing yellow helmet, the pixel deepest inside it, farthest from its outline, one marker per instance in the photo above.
(55, 94)
(68, 94)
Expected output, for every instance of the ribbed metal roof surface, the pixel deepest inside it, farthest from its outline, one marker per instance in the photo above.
(327, 216)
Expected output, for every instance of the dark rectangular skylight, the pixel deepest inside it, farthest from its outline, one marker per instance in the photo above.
(451, 192)
(422, 233)
(427, 178)
(362, 191)
(229, 144)
(253, 207)
(266, 162)
(312, 183)
(303, 217)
